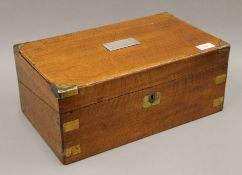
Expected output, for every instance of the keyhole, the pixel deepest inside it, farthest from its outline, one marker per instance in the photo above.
(152, 98)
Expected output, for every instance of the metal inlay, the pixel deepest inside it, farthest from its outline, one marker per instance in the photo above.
(220, 79)
(218, 101)
(71, 125)
(73, 150)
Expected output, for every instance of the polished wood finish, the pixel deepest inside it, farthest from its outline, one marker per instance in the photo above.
(34, 81)
(141, 80)
(118, 121)
(80, 58)
(108, 110)
(43, 118)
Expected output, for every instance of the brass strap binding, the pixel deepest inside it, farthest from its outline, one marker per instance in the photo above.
(218, 101)
(220, 79)
(71, 125)
(73, 150)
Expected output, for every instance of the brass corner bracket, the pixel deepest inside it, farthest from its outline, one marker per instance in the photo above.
(64, 91)
(17, 48)
(165, 13)
(223, 46)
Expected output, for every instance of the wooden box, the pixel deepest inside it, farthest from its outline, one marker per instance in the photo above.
(90, 91)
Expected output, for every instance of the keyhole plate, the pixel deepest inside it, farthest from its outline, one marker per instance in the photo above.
(151, 99)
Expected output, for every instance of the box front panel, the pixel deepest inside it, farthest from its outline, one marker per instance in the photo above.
(114, 122)
(160, 74)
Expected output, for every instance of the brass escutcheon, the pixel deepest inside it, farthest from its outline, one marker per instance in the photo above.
(151, 99)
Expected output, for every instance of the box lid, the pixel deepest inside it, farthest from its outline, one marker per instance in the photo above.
(93, 56)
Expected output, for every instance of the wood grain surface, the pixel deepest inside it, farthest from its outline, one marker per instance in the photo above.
(118, 121)
(80, 58)
(108, 110)
(45, 120)
(141, 80)
(28, 76)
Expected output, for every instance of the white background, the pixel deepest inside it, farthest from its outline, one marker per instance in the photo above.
(209, 146)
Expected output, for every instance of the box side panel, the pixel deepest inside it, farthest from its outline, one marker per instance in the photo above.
(141, 80)
(33, 80)
(122, 120)
(45, 120)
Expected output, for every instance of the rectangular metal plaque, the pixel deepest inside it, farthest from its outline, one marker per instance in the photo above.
(119, 44)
